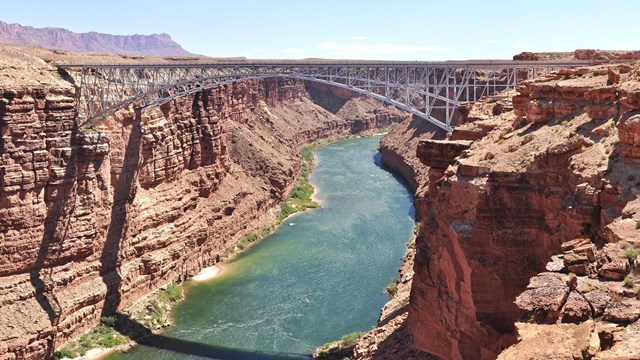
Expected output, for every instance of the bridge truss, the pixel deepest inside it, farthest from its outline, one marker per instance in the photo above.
(430, 90)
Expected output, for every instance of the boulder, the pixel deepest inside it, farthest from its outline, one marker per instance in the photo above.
(615, 270)
(625, 311)
(598, 300)
(545, 296)
(576, 309)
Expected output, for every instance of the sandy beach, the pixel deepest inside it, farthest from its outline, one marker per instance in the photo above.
(208, 273)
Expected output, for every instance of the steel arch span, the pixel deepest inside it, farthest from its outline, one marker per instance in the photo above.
(430, 90)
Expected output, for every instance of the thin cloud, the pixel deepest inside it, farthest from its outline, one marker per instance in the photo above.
(293, 51)
(493, 41)
(377, 49)
(359, 38)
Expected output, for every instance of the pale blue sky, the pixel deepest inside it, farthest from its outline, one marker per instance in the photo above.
(366, 29)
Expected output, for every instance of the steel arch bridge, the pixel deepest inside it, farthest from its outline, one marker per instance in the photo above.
(430, 90)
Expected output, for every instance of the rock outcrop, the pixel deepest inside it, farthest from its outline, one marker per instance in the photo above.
(63, 39)
(547, 186)
(94, 218)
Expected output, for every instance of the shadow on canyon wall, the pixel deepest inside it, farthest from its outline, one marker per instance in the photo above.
(400, 340)
(123, 196)
(56, 226)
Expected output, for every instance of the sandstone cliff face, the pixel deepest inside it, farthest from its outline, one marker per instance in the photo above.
(63, 39)
(583, 282)
(93, 219)
(560, 166)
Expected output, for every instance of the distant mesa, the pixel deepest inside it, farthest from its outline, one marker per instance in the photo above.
(63, 39)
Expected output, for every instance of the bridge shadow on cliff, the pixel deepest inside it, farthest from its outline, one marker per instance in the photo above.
(399, 344)
(123, 196)
(133, 329)
(421, 128)
(57, 221)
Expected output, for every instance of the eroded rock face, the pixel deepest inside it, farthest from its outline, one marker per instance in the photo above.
(91, 219)
(548, 179)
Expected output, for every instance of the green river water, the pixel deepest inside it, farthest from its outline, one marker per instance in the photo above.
(321, 275)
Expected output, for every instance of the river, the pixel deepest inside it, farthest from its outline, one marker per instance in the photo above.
(321, 275)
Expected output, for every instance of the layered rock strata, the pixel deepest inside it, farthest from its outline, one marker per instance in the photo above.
(555, 175)
(92, 219)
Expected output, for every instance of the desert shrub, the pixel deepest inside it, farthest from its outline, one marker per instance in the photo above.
(631, 255)
(172, 294)
(351, 338)
(392, 288)
(65, 352)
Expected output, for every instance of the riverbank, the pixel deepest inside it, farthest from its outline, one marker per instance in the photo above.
(282, 296)
(299, 200)
(208, 273)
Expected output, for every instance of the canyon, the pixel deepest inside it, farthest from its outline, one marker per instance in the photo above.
(93, 219)
(528, 209)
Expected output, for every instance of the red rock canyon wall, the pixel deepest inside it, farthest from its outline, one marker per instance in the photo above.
(560, 166)
(92, 219)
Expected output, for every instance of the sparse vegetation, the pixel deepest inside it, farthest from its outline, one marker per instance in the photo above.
(628, 282)
(631, 255)
(172, 294)
(112, 331)
(299, 200)
(351, 338)
(392, 288)
(300, 197)
(412, 243)
(102, 336)
(338, 350)
(638, 224)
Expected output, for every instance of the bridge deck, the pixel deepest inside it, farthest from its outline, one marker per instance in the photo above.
(343, 63)
(428, 89)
